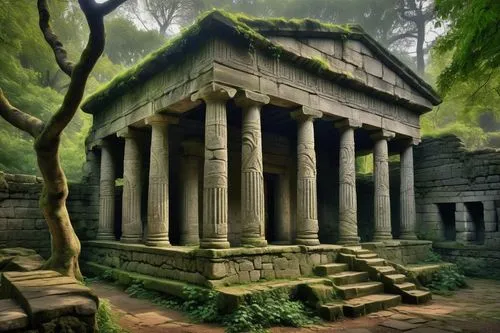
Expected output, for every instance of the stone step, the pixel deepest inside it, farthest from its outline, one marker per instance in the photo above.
(384, 269)
(354, 290)
(372, 303)
(329, 269)
(354, 250)
(331, 311)
(396, 278)
(406, 286)
(367, 255)
(416, 296)
(373, 261)
(348, 277)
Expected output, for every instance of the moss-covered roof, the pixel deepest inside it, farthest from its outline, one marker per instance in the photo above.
(253, 31)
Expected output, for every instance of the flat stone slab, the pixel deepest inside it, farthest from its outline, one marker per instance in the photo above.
(399, 325)
(12, 317)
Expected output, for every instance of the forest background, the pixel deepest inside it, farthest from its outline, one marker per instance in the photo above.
(453, 44)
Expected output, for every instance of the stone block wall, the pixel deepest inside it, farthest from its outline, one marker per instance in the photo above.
(211, 267)
(21, 220)
(402, 252)
(457, 191)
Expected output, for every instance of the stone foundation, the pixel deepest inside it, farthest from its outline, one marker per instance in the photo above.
(211, 267)
(403, 252)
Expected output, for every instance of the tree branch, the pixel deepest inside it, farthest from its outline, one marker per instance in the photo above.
(401, 36)
(19, 119)
(52, 39)
(107, 7)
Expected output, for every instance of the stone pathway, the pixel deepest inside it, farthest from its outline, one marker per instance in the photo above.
(474, 310)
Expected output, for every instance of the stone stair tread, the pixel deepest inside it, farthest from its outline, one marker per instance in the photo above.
(418, 292)
(367, 284)
(328, 269)
(395, 276)
(384, 269)
(408, 286)
(346, 273)
(335, 264)
(370, 299)
(348, 277)
(367, 255)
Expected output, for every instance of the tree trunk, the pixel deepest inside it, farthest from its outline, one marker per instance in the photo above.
(65, 244)
(420, 44)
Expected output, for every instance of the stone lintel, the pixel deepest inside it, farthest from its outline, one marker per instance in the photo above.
(348, 123)
(161, 119)
(99, 144)
(382, 134)
(305, 112)
(410, 141)
(246, 98)
(127, 132)
(193, 148)
(214, 92)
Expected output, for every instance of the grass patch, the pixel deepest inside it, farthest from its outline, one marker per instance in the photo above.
(107, 321)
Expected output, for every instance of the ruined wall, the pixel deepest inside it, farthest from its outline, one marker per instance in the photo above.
(457, 192)
(21, 220)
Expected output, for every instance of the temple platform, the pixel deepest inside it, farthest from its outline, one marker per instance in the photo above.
(239, 265)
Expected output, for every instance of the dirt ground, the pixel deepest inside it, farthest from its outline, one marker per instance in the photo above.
(476, 309)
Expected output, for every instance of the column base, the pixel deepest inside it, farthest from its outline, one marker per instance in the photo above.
(131, 239)
(158, 242)
(105, 236)
(307, 241)
(382, 236)
(214, 244)
(189, 241)
(346, 240)
(253, 242)
(408, 236)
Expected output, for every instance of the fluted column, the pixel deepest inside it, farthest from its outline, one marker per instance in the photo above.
(307, 205)
(382, 200)
(252, 174)
(158, 199)
(131, 202)
(348, 216)
(106, 193)
(189, 228)
(215, 182)
(407, 191)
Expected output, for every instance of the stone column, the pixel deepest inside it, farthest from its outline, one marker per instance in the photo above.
(382, 199)
(283, 232)
(348, 216)
(106, 193)
(189, 228)
(407, 192)
(158, 200)
(252, 174)
(307, 204)
(131, 204)
(215, 195)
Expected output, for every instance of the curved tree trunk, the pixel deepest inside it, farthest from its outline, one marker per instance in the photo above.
(64, 242)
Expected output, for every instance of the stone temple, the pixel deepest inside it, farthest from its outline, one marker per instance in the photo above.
(240, 136)
(229, 156)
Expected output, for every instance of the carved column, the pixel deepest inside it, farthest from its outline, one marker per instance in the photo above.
(215, 195)
(106, 193)
(348, 217)
(158, 200)
(252, 174)
(189, 228)
(307, 205)
(131, 202)
(382, 200)
(283, 229)
(407, 192)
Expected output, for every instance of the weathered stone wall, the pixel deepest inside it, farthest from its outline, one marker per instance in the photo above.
(21, 220)
(457, 191)
(211, 267)
(403, 252)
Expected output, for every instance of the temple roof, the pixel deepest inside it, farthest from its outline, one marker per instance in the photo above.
(255, 32)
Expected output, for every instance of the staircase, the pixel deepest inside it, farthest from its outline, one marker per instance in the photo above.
(363, 283)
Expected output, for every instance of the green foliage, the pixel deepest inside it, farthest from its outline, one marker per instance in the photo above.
(478, 267)
(473, 37)
(432, 257)
(107, 321)
(447, 280)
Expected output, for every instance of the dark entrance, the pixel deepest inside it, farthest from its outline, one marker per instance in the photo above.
(270, 191)
(447, 214)
(476, 212)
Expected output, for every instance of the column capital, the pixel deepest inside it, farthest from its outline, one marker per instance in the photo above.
(246, 98)
(161, 119)
(410, 141)
(99, 144)
(127, 133)
(305, 112)
(382, 134)
(214, 92)
(348, 123)
(192, 148)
